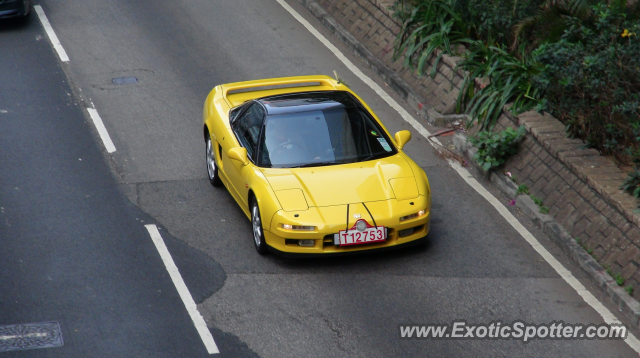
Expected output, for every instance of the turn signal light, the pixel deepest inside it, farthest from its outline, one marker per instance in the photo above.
(298, 227)
(307, 243)
(413, 216)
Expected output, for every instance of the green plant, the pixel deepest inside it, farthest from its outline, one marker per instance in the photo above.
(427, 27)
(495, 148)
(629, 290)
(514, 179)
(608, 269)
(632, 184)
(619, 279)
(544, 209)
(522, 189)
(578, 240)
(591, 78)
(536, 200)
(555, 17)
(509, 81)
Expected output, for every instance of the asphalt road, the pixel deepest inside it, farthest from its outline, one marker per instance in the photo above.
(73, 244)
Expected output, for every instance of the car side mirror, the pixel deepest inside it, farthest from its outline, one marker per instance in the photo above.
(402, 138)
(240, 154)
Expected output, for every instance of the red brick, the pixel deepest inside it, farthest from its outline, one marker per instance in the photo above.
(581, 208)
(554, 184)
(629, 270)
(538, 173)
(538, 186)
(627, 255)
(634, 235)
(552, 198)
(624, 243)
(610, 257)
(596, 224)
(577, 229)
(566, 210)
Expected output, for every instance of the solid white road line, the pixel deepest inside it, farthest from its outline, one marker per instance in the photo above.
(52, 35)
(198, 321)
(589, 298)
(102, 130)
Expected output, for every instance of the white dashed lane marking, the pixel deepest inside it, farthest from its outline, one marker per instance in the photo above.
(52, 35)
(102, 130)
(183, 291)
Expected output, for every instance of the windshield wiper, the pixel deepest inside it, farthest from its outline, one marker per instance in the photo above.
(318, 164)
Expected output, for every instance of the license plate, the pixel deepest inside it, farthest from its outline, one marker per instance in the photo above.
(355, 237)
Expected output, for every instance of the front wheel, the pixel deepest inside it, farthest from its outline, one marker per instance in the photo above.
(256, 224)
(212, 168)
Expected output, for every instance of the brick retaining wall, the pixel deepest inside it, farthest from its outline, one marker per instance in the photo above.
(371, 23)
(581, 189)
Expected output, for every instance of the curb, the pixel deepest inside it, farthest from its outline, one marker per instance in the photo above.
(389, 76)
(627, 304)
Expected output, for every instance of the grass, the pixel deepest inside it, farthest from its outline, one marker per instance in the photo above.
(522, 189)
(536, 200)
(629, 290)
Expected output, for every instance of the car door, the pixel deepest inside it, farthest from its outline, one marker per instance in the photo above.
(247, 129)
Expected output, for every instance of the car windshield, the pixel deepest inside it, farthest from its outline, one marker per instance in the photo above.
(327, 134)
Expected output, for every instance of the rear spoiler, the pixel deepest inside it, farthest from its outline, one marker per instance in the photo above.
(319, 81)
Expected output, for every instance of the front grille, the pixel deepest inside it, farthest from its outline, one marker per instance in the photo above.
(410, 231)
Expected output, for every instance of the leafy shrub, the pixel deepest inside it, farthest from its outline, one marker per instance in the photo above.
(629, 290)
(495, 148)
(632, 184)
(509, 82)
(493, 20)
(430, 25)
(591, 79)
(482, 26)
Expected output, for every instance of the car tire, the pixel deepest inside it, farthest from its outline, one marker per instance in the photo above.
(212, 168)
(256, 228)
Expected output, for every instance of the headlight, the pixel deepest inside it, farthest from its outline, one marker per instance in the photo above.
(413, 216)
(298, 227)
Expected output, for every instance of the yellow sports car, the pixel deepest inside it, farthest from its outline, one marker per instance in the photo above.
(313, 168)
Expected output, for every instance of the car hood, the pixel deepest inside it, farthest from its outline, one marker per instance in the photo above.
(298, 188)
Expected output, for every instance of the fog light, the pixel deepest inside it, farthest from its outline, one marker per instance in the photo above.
(298, 227)
(307, 243)
(304, 228)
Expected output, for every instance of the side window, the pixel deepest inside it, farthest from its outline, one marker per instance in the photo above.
(247, 128)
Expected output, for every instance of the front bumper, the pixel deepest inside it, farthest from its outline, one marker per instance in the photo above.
(287, 244)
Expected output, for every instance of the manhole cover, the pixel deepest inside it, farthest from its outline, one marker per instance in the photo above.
(30, 336)
(124, 80)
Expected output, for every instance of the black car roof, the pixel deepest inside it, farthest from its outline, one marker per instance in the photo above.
(307, 101)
